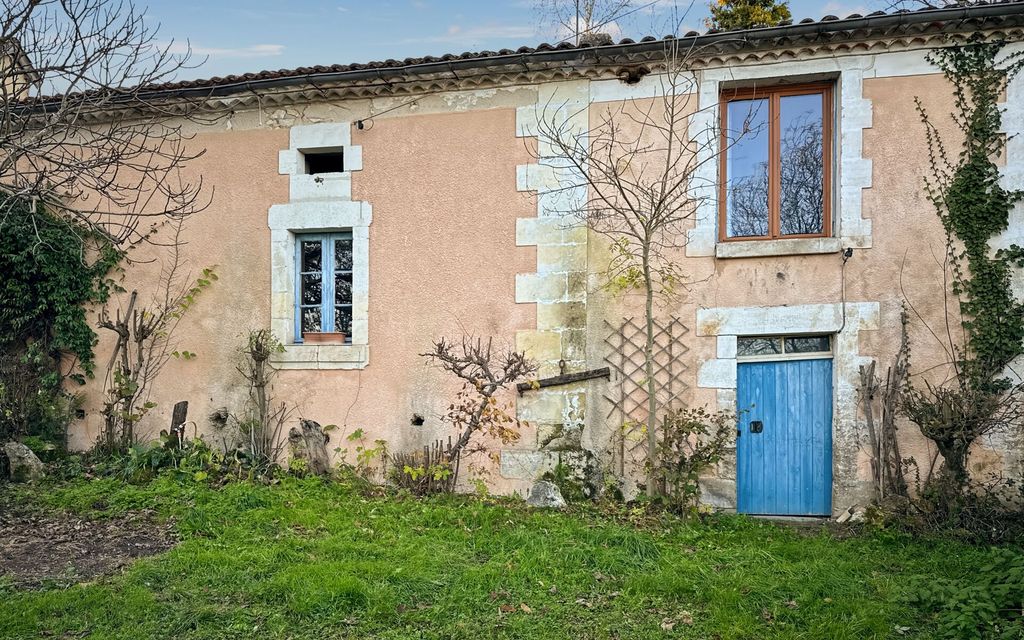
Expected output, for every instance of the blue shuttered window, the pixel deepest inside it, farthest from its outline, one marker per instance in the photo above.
(323, 295)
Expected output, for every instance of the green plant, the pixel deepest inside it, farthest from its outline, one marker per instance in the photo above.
(728, 15)
(367, 456)
(987, 604)
(193, 460)
(692, 441)
(33, 400)
(569, 485)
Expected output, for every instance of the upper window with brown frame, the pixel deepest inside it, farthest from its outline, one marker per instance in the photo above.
(776, 163)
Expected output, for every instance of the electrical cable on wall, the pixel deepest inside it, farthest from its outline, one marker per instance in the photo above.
(847, 254)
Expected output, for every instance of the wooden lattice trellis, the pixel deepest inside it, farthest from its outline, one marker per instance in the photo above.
(627, 395)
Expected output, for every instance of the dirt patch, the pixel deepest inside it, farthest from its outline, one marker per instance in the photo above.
(38, 548)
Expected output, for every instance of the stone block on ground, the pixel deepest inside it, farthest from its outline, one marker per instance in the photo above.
(545, 495)
(22, 464)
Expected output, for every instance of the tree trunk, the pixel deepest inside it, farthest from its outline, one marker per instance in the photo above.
(954, 463)
(652, 399)
(309, 443)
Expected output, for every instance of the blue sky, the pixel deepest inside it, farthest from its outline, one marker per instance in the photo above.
(236, 36)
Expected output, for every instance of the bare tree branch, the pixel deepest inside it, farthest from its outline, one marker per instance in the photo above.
(81, 131)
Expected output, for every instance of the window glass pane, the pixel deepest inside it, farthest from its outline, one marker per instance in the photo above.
(343, 288)
(343, 319)
(807, 344)
(310, 255)
(758, 346)
(747, 168)
(343, 254)
(801, 188)
(311, 319)
(312, 288)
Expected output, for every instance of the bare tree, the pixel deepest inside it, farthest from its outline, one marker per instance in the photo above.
(644, 179)
(82, 129)
(579, 18)
(485, 372)
(144, 344)
(263, 425)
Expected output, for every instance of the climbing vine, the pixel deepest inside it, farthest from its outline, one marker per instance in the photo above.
(973, 208)
(52, 267)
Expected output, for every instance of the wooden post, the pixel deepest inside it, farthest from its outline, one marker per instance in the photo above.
(178, 417)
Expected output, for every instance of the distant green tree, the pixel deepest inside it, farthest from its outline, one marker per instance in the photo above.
(729, 15)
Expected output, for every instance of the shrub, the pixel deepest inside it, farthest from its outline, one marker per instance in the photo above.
(692, 441)
(430, 471)
(986, 511)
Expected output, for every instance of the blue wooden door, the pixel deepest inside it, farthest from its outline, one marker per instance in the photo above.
(784, 448)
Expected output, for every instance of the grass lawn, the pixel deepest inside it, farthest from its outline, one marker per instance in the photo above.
(309, 559)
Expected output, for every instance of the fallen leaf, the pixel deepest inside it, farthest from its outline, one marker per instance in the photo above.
(524, 608)
(506, 608)
(668, 624)
(792, 604)
(686, 617)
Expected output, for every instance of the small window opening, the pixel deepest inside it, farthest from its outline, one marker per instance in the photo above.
(784, 347)
(325, 162)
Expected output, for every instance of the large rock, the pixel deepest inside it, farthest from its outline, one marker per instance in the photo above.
(546, 495)
(22, 464)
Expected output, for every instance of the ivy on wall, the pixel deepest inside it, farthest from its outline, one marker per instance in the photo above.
(974, 208)
(52, 267)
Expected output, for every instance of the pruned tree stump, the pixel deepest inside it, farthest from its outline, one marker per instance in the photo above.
(308, 442)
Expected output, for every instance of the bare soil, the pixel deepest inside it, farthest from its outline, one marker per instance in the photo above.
(38, 548)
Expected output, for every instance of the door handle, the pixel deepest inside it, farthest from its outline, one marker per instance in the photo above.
(756, 426)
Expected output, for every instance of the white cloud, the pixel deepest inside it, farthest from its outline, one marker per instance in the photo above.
(842, 9)
(456, 34)
(252, 51)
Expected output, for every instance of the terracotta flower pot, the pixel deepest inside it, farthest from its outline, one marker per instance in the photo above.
(326, 337)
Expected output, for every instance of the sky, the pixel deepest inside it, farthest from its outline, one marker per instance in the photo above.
(239, 36)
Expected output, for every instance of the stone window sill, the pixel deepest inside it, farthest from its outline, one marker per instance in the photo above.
(769, 248)
(322, 356)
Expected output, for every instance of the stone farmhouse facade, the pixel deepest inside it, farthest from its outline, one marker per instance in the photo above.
(417, 195)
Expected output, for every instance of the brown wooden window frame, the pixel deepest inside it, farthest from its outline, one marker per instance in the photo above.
(774, 96)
